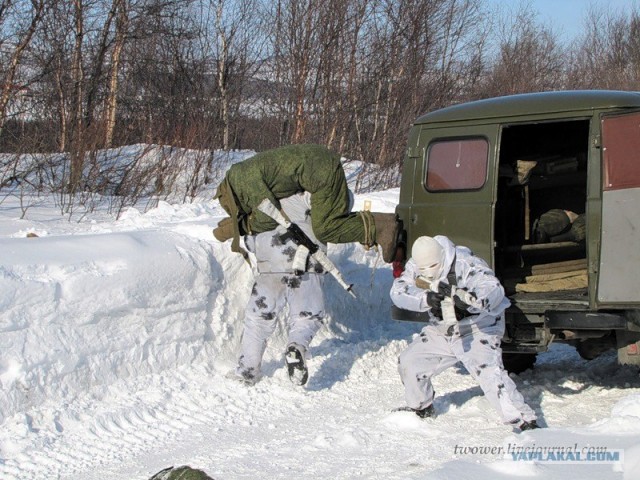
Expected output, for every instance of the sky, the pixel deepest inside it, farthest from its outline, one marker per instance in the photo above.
(117, 336)
(567, 16)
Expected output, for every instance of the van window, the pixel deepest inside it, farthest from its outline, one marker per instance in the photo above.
(459, 164)
(621, 140)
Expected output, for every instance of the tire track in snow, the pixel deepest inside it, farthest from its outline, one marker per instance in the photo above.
(120, 431)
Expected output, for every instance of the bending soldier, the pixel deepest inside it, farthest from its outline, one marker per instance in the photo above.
(281, 172)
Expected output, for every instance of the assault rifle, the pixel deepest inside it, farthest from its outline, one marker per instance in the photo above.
(453, 298)
(306, 246)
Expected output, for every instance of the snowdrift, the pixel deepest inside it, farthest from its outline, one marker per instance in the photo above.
(72, 305)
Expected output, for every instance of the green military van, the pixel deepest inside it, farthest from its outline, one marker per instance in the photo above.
(546, 188)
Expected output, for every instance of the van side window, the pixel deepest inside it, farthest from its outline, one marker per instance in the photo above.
(459, 164)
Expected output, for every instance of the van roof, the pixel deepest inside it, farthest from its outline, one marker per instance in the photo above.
(534, 103)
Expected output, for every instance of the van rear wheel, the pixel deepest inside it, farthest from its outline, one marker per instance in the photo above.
(518, 362)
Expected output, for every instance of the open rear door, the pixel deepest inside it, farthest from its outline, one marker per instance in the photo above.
(619, 268)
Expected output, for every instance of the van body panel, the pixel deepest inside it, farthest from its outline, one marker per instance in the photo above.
(594, 207)
(620, 251)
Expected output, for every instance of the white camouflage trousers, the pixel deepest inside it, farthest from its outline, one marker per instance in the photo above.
(479, 351)
(270, 293)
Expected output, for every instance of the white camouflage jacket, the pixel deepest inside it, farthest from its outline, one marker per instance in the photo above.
(472, 273)
(275, 255)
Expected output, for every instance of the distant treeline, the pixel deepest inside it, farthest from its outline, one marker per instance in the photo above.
(81, 75)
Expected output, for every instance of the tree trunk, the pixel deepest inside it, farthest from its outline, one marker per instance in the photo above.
(112, 96)
(77, 145)
(223, 59)
(61, 107)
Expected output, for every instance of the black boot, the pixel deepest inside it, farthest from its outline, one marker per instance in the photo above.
(532, 425)
(296, 365)
(426, 412)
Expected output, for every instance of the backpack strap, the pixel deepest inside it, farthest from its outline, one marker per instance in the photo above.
(451, 276)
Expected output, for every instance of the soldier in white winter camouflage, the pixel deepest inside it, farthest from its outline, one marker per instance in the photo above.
(465, 303)
(307, 184)
(280, 281)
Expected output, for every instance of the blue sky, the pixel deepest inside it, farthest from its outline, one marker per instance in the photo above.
(567, 16)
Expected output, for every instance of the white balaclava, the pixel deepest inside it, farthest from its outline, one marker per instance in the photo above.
(428, 256)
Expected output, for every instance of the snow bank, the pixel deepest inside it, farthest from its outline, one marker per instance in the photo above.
(81, 311)
(84, 311)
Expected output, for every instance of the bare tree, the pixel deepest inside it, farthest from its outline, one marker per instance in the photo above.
(608, 54)
(529, 57)
(122, 22)
(94, 59)
(18, 23)
(51, 57)
(231, 42)
(347, 36)
(414, 62)
(295, 47)
(225, 37)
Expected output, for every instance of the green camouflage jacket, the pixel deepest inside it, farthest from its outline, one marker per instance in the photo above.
(281, 172)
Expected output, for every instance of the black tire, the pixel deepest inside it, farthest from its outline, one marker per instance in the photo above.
(518, 362)
(594, 347)
(585, 351)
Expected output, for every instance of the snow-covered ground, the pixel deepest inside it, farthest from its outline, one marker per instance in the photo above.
(116, 336)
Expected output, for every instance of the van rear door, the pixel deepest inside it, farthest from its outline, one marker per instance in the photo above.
(619, 266)
(455, 186)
